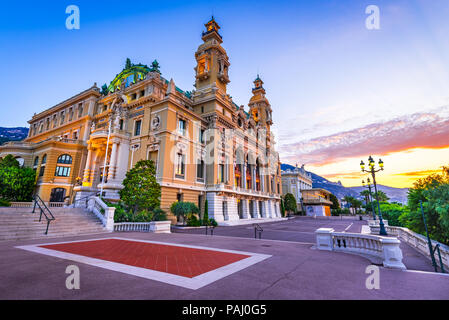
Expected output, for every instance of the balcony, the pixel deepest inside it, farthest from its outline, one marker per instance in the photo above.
(221, 187)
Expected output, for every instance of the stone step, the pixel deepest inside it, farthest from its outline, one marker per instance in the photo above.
(21, 223)
(50, 235)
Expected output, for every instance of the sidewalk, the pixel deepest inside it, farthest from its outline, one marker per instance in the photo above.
(294, 271)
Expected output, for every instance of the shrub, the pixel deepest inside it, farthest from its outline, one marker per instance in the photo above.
(193, 221)
(159, 215)
(213, 223)
(184, 210)
(4, 203)
(16, 183)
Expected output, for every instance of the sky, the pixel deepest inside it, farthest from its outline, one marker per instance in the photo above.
(339, 91)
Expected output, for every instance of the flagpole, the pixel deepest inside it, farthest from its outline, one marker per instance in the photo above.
(105, 158)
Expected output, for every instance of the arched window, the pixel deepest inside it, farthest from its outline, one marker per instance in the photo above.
(44, 159)
(65, 159)
(36, 161)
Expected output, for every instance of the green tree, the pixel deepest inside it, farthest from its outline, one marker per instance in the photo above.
(382, 196)
(185, 211)
(9, 161)
(16, 183)
(141, 190)
(357, 204)
(350, 201)
(433, 191)
(335, 204)
(290, 203)
(282, 208)
(393, 212)
(206, 213)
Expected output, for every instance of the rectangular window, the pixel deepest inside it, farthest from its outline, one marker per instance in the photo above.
(221, 173)
(41, 171)
(182, 127)
(201, 138)
(75, 135)
(200, 170)
(137, 128)
(62, 172)
(121, 124)
(180, 165)
(80, 110)
(62, 117)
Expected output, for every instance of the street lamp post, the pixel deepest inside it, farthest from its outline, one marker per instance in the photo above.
(373, 172)
(370, 197)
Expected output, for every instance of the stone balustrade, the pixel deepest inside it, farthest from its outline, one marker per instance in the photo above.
(372, 222)
(31, 204)
(132, 226)
(102, 211)
(379, 250)
(416, 241)
(153, 226)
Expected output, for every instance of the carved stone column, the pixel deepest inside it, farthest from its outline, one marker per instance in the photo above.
(112, 164)
(87, 168)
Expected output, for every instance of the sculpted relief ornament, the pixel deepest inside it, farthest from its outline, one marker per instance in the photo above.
(156, 123)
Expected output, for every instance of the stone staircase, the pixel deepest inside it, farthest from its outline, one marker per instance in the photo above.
(22, 224)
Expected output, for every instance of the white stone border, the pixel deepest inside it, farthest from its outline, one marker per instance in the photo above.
(189, 283)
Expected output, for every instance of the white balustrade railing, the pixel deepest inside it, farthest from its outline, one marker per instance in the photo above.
(416, 241)
(102, 211)
(56, 204)
(153, 226)
(373, 223)
(379, 250)
(21, 204)
(31, 204)
(132, 226)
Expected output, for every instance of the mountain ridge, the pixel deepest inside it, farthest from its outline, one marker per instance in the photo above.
(12, 134)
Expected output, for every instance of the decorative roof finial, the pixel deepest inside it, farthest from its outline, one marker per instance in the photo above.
(155, 67)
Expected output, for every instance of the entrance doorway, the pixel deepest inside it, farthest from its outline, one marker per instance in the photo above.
(57, 195)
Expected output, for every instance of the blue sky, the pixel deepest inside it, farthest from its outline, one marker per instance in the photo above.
(324, 72)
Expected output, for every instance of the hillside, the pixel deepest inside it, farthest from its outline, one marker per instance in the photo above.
(12, 134)
(340, 191)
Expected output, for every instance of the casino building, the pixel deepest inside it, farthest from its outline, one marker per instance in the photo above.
(204, 145)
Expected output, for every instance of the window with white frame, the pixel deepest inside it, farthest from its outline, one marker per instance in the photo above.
(137, 127)
(180, 165)
(182, 126)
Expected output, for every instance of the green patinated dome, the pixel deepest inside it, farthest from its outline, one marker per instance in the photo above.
(129, 75)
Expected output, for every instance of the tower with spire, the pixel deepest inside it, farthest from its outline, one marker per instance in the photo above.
(212, 61)
(259, 107)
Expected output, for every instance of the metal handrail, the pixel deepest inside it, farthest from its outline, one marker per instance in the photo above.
(257, 228)
(44, 210)
(437, 247)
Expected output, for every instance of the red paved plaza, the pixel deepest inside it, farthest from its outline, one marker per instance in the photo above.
(181, 261)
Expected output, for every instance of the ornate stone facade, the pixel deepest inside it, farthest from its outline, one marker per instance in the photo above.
(204, 145)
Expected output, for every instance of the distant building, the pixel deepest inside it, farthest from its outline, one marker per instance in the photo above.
(317, 202)
(294, 182)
